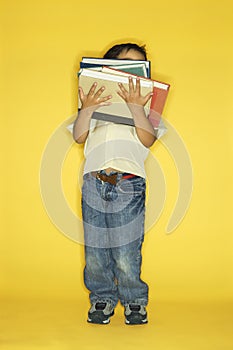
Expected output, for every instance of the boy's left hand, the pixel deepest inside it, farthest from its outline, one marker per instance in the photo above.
(133, 96)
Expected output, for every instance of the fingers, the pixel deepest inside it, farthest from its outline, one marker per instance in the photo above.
(105, 104)
(147, 97)
(123, 90)
(99, 92)
(97, 95)
(131, 87)
(93, 98)
(121, 94)
(81, 93)
(132, 90)
(102, 100)
(138, 86)
(92, 90)
(106, 98)
(134, 93)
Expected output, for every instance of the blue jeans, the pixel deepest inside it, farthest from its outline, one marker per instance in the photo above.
(113, 219)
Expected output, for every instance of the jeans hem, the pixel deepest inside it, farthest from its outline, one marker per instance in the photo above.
(106, 300)
(142, 302)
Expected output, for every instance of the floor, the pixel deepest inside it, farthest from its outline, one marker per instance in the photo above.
(61, 324)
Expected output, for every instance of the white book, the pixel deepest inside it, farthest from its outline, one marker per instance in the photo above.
(118, 107)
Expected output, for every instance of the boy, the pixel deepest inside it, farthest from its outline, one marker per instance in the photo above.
(113, 198)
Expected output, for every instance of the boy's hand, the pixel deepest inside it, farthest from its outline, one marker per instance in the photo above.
(93, 98)
(133, 96)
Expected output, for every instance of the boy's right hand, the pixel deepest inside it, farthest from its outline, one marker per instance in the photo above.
(93, 99)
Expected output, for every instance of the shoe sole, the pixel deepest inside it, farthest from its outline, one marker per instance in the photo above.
(129, 323)
(98, 322)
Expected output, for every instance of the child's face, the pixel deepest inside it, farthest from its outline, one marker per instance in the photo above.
(131, 55)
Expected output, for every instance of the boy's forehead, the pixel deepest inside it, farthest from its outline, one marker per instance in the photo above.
(131, 55)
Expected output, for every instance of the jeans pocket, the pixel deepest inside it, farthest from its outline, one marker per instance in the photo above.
(133, 186)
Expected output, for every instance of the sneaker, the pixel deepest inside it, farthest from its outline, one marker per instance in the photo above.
(135, 314)
(100, 313)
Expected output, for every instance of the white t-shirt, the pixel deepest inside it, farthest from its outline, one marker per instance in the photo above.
(116, 146)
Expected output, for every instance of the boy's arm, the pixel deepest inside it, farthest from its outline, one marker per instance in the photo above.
(81, 125)
(136, 103)
(144, 129)
(90, 102)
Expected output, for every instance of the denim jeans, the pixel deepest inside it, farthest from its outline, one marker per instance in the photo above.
(113, 219)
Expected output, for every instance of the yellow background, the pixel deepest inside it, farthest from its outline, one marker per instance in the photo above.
(44, 301)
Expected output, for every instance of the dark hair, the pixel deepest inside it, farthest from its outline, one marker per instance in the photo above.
(117, 49)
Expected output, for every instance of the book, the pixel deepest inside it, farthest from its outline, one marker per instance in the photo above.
(160, 91)
(118, 107)
(118, 112)
(108, 73)
(133, 68)
(89, 62)
(138, 69)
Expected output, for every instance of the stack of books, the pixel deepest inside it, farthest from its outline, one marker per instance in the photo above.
(110, 72)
